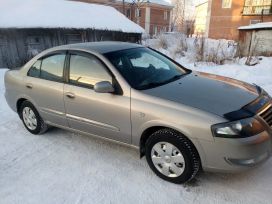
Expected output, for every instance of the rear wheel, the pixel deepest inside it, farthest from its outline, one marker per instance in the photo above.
(31, 118)
(172, 156)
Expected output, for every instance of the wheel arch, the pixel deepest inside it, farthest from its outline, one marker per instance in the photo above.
(19, 103)
(150, 130)
(145, 135)
(23, 98)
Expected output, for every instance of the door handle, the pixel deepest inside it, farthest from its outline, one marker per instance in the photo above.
(70, 95)
(29, 86)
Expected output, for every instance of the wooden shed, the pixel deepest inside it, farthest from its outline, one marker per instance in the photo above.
(51, 23)
(256, 39)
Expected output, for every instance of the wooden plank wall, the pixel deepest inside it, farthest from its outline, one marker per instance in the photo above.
(17, 46)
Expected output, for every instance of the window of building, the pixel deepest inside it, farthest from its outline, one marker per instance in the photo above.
(257, 7)
(52, 68)
(226, 3)
(155, 30)
(128, 13)
(165, 15)
(138, 12)
(87, 71)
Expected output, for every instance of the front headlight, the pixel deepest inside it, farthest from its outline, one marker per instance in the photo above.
(238, 129)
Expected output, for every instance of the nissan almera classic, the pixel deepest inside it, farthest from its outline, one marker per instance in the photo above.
(180, 120)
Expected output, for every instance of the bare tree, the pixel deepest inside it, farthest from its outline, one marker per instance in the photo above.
(178, 15)
(138, 5)
(183, 16)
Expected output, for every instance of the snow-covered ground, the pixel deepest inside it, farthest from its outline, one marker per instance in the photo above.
(63, 167)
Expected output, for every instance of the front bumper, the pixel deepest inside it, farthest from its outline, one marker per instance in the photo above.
(234, 155)
(249, 162)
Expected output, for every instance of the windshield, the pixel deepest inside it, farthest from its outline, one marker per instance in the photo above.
(144, 68)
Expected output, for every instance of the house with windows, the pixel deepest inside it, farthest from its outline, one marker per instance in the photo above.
(153, 15)
(34, 26)
(224, 17)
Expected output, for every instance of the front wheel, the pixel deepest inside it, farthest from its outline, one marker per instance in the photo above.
(31, 118)
(172, 156)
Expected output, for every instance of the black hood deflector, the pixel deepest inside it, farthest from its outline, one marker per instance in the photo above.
(252, 108)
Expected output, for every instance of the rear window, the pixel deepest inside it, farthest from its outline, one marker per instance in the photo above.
(52, 68)
(49, 68)
(34, 71)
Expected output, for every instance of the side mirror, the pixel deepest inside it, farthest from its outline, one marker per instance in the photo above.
(103, 87)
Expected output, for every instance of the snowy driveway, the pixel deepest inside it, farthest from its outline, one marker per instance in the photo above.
(63, 167)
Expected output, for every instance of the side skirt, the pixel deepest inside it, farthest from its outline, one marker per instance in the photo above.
(93, 135)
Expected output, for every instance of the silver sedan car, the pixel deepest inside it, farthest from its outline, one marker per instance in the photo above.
(180, 120)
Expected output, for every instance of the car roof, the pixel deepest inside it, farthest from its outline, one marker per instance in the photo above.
(100, 47)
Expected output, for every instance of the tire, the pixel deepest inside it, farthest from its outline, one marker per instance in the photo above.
(172, 156)
(36, 128)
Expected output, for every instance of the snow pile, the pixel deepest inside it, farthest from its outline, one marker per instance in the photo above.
(177, 45)
(63, 14)
(257, 26)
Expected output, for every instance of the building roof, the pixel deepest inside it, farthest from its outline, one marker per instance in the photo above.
(99, 47)
(63, 14)
(257, 26)
(159, 2)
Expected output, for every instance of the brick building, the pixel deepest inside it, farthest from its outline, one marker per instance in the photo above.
(152, 15)
(224, 17)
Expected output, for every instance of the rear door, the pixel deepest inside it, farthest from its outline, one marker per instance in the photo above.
(44, 85)
(102, 114)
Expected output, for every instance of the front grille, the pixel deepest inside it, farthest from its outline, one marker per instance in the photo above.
(267, 115)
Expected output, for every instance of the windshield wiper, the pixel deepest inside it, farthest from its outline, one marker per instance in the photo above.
(150, 85)
(174, 78)
(155, 84)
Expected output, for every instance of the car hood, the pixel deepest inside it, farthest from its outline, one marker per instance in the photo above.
(211, 93)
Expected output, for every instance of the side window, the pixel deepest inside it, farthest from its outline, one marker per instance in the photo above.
(34, 71)
(52, 68)
(87, 71)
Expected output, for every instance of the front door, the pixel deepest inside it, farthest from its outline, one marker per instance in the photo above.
(102, 114)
